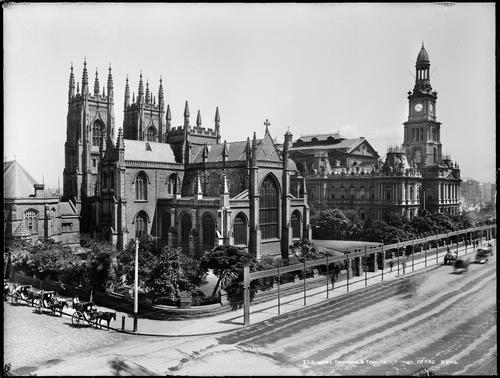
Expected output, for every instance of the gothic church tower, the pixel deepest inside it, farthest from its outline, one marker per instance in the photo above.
(90, 122)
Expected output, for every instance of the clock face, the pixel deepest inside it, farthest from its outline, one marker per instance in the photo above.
(418, 107)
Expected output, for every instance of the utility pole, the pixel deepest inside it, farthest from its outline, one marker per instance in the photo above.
(136, 283)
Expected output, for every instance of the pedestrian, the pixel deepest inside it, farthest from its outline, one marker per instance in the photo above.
(391, 264)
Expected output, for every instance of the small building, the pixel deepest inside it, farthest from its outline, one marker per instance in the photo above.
(32, 212)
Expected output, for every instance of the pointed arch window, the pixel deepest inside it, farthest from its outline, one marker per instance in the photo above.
(97, 133)
(234, 184)
(213, 185)
(269, 203)
(208, 232)
(151, 134)
(111, 179)
(172, 184)
(141, 187)
(141, 225)
(296, 223)
(240, 230)
(31, 221)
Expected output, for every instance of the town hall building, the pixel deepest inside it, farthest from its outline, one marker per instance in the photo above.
(348, 173)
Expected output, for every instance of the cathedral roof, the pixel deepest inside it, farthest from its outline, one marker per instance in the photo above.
(236, 151)
(18, 183)
(137, 150)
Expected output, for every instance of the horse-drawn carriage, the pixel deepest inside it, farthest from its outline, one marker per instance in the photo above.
(21, 293)
(85, 312)
(461, 265)
(48, 300)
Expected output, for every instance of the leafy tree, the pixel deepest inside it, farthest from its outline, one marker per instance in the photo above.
(330, 224)
(168, 277)
(227, 263)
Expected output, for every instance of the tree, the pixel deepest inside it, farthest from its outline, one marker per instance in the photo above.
(330, 224)
(227, 263)
(168, 277)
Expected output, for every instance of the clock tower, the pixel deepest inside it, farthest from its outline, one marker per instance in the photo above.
(422, 131)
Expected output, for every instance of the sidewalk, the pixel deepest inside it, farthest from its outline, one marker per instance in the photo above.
(267, 310)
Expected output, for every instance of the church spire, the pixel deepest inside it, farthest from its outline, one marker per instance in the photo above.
(160, 94)
(127, 93)
(140, 93)
(217, 124)
(169, 117)
(422, 68)
(186, 115)
(110, 82)
(198, 119)
(96, 84)
(148, 94)
(71, 91)
(85, 78)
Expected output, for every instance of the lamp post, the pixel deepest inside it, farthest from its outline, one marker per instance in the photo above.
(136, 283)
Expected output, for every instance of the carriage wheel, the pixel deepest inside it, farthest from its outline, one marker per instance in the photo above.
(38, 304)
(77, 319)
(15, 297)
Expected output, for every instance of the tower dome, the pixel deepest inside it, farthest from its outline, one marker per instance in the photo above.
(423, 57)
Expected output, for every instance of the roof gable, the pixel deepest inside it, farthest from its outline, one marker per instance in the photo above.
(18, 183)
(266, 150)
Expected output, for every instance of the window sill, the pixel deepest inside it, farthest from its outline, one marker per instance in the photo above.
(141, 201)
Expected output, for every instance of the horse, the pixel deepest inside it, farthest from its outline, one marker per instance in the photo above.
(105, 315)
(58, 305)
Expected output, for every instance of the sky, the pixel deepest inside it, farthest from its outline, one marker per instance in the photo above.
(309, 68)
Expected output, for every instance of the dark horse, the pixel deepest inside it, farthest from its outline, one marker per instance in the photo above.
(59, 306)
(105, 315)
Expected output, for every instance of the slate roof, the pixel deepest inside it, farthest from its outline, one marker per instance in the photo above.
(137, 150)
(319, 137)
(235, 152)
(348, 144)
(18, 183)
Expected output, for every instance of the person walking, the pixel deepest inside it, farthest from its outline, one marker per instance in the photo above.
(391, 264)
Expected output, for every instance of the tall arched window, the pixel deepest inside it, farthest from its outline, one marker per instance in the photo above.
(31, 221)
(151, 134)
(97, 133)
(165, 225)
(213, 188)
(111, 179)
(141, 225)
(435, 156)
(185, 231)
(269, 203)
(104, 180)
(208, 232)
(411, 193)
(240, 229)
(234, 184)
(172, 184)
(388, 192)
(296, 224)
(141, 187)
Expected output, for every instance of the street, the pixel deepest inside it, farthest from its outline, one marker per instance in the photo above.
(434, 319)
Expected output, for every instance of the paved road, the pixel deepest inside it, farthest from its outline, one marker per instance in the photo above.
(435, 319)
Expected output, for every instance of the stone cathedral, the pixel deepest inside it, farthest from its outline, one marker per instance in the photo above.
(179, 184)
